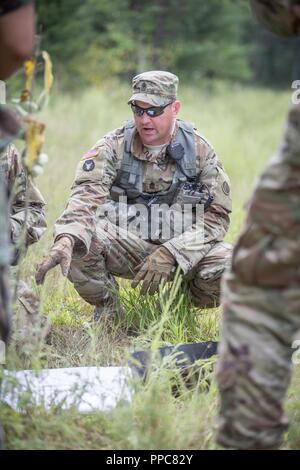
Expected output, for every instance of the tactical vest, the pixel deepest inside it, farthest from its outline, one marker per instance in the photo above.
(184, 189)
(130, 175)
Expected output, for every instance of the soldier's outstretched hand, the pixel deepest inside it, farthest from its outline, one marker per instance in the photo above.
(60, 253)
(156, 268)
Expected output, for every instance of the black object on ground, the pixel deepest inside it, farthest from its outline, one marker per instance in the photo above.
(185, 355)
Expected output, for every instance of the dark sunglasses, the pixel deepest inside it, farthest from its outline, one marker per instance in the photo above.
(151, 112)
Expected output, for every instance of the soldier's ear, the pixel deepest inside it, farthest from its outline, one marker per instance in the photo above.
(177, 105)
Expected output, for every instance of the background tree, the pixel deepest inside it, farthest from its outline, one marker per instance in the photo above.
(96, 40)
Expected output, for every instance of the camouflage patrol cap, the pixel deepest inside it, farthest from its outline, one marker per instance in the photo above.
(155, 87)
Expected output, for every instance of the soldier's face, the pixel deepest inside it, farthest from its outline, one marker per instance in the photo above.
(156, 130)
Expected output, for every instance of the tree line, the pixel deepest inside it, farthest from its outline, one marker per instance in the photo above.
(95, 40)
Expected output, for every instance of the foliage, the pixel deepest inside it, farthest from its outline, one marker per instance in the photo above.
(92, 41)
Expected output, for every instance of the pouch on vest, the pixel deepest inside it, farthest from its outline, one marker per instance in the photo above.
(130, 174)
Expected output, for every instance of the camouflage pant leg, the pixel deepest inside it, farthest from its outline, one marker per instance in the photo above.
(91, 278)
(5, 301)
(109, 255)
(261, 305)
(204, 288)
(5, 319)
(5, 323)
(5, 306)
(254, 368)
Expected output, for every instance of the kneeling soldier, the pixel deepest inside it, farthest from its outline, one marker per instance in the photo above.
(154, 160)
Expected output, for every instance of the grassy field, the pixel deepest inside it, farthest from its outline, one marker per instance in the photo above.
(244, 126)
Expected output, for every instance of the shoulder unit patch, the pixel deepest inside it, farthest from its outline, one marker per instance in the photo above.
(88, 165)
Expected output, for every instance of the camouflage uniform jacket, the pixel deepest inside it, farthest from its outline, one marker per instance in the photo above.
(18, 185)
(93, 183)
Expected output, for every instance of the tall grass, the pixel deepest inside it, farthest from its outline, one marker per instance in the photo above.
(244, 126)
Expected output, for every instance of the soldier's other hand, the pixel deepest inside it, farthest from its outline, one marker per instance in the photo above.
(156, 268)
(60, 253)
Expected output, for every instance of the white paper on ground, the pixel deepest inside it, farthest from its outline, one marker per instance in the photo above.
(87, 388)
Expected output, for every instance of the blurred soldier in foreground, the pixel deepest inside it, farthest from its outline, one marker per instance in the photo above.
(154, 160)
(27, 221)
(17, 31)
(18, 182)
(261, 296)
(16, 44)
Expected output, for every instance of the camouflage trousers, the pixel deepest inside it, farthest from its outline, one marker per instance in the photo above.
(4, 264)
(261, 306)
(94, 275)
(5, 304)
(5, 316)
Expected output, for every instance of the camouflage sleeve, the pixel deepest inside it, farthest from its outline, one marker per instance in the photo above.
(279, 16)
(21, 187)
(94, 177)
(190, 247)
